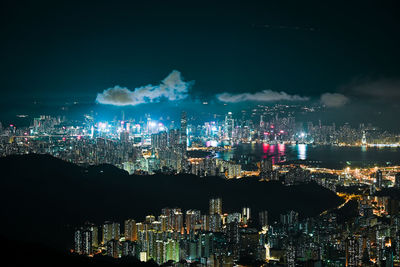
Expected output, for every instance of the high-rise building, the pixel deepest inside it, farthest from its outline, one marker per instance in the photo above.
(159, 140)
(234, 217)
(173, 137)
(215, 222)
(263, 218)
(113, 248)
(291, 255)
(184, 129)
(163, 219)
(193, 217)
(78, 241)
(215, 206)
(83, 241)
(87, 242)
(229, 124)
(351, 252)
(245, 215)
(378, 179)
(171, 250)
(266, 168)
(177, 221)
(150, 218)
(111, 231)
(128, 249)
(124, 137)
(290, 218)
(130, 230)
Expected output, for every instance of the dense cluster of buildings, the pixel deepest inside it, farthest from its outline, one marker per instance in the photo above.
(148, 146)
(370, 236)
(175, 235)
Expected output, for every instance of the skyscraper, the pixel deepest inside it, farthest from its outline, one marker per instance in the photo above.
(229, 124)
(245, 215)
(215, 206)
(184, 129)
(351, 252)
(379, 179)
(110, 231)
(263, 218)
(192, 219)
(130, 230)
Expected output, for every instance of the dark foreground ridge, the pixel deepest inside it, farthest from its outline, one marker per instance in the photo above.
(44, 198)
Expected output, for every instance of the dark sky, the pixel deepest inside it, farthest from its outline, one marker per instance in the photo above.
(75, 49)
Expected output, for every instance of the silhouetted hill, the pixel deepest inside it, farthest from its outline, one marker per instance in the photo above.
(44, 198)
(33, 254)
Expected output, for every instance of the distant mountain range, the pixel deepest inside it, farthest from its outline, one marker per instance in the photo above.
(44, 198)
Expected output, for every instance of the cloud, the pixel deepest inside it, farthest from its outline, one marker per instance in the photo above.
(263, 96)
(383, 89)
(333, 100)
(172, 88)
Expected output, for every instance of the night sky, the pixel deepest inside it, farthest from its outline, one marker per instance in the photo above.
(70, 49)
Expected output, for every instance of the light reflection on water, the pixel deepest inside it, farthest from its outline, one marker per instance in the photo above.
(302, 151)
(326, 154)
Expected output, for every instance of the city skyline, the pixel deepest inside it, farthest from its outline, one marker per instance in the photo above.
(200, 133)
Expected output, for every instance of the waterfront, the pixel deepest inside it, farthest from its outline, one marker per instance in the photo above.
(323, 156)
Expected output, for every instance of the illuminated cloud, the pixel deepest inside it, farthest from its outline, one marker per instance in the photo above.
(333, 100)
(172, 88)
(263, 96)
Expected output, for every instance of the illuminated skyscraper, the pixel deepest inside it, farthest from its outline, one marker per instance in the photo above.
(291, 255)
(184, 129)
(192, 219)
(111, 230)
(113, 248)
(245, 215)
(379, 179)
(229, 124)
(215, 223)
(128, 248)
(130, 230)
(215, 206)
(78, 241)
(163, 219)
(234, 217)
(266, 167)
(87, 244)
(159, 140)
(124, 137)
(84, 241)
(173, 137)
(351, 252)
(177, 221)
(150, 218)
